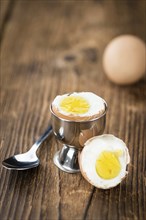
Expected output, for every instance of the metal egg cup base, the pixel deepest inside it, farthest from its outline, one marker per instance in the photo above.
(66, 159)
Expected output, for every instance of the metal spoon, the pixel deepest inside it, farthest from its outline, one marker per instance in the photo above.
(29, 159)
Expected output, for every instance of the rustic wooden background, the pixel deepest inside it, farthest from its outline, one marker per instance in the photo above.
(50, 48)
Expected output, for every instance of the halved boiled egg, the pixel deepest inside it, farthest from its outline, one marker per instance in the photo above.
(103, 161)
(78, 106)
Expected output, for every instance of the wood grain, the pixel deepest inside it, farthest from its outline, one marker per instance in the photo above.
(6, 8)
(3, 10)
(50, 48)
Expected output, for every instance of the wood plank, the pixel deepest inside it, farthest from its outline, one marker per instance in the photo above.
(6, 9)
(57, 50)
(3, 9)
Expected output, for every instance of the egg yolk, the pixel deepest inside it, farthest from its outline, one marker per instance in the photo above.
(108, 165)
(74, 105)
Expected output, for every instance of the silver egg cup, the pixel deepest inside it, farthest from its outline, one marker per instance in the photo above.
(73, 135)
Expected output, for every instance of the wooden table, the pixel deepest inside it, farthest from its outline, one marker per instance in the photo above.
(50, 48)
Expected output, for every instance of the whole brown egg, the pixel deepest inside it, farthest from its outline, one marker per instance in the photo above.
(124, 59)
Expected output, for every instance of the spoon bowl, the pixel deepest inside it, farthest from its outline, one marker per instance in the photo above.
(21, 161)
(29, 159)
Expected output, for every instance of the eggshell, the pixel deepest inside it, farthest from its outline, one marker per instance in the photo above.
(124, 59)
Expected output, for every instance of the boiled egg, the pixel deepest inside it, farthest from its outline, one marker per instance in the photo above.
(124, 59)
(103, 161)
(78, 106)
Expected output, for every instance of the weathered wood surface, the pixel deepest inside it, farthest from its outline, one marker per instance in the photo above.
(6, 8)
(4, 5)
(53, 47)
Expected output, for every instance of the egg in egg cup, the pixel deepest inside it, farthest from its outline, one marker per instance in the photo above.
(76, 117)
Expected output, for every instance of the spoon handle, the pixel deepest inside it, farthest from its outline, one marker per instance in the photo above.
(36, 145)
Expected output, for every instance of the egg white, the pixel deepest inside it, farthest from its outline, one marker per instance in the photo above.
(95, 102)
(90, 153)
